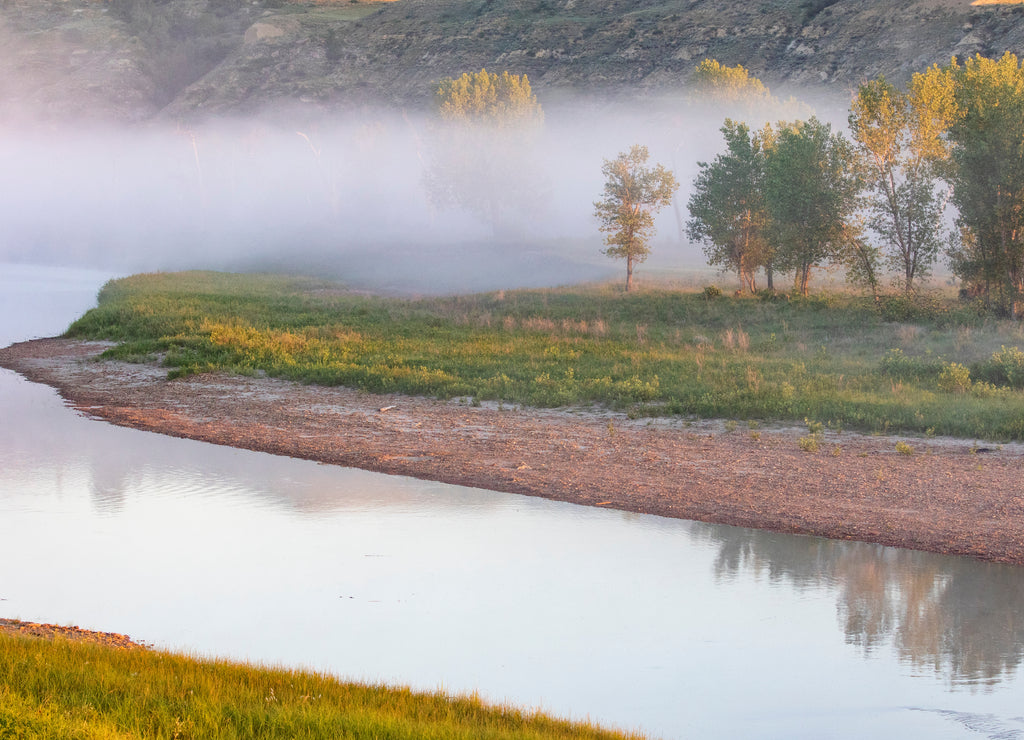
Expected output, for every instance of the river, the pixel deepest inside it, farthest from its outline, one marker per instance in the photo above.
(679, 629)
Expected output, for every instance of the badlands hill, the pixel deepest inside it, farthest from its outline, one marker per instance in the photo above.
(138, 60)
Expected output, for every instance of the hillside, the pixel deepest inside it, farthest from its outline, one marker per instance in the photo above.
(133, 60)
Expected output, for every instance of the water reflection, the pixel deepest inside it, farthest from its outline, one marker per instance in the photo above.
(679, 628)
(957, 617)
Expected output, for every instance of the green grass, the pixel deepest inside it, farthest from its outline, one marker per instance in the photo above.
(837, 359)
(65, 689)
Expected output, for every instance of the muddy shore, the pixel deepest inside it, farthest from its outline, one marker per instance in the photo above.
(950, 496)
(77, 634)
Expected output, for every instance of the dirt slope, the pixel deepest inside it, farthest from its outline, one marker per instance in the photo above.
(215, 56)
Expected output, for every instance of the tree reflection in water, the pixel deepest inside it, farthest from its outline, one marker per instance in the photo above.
(961, 618)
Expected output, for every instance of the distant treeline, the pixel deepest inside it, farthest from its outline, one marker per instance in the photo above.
(795, 195)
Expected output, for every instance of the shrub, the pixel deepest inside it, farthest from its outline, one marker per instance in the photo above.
(809, 443)
(711, 292)
(912, 307)
(901, 366)
(1006, 367)
(904, 449)
(954, 378)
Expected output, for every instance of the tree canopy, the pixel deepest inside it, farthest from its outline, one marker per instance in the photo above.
(481, 146)
(727, 209)
(987, 137)
(899, 158)
(633, 192)
(485, 97)
(810, 194)
(729, 84)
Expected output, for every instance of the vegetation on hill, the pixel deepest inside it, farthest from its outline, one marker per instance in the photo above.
(62, 689)
(338, 53)
(908, 364)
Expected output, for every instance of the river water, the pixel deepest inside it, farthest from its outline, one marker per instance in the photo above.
(679, 629)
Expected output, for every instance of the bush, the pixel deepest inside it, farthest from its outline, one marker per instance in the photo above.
(900, 366)
(1006, 367)
(809, 443)
(955, 378)
(913, 307)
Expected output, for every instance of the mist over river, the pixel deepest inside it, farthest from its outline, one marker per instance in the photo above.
(680, 629)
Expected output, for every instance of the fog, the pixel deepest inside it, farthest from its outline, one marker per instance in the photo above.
(344, 196)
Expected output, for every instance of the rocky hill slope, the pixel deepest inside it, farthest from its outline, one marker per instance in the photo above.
(135, 60)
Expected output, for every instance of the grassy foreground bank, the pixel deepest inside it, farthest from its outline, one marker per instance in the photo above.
(920, 365)
(65, 689)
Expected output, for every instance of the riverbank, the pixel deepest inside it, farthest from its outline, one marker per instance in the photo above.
(63, 682)
(947, 496)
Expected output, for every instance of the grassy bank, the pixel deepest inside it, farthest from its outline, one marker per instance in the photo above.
(926, 366)
(65, 689)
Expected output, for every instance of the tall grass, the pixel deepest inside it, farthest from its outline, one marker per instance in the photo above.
(839, 359)
(64, 689)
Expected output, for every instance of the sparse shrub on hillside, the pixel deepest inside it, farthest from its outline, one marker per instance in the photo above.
(183, 42)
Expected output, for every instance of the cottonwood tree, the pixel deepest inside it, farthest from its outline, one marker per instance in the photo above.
(482, 144)
(727, 208)
(900, 155)
(810, 195)
(633, 193)
(730, 85)
(987, 138)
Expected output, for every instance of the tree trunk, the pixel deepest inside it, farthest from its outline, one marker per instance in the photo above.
(629, 274)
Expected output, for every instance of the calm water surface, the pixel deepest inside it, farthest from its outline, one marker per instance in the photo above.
(680, 629)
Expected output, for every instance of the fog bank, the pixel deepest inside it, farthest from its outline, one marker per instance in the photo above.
(344, 197)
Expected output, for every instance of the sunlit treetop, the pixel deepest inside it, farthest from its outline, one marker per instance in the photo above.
(485, 97)
(729, 84)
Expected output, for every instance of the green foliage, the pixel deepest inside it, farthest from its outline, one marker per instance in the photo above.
(900, 168)
(62, 690)
(727, 209)
(825, 358)
(809, 443)
(904, 449)
(810, 194)
(913, 307)
(711, 292)
(919, 369)
(1004, 368)
(633, 192)
(988, 186)
(954, 378)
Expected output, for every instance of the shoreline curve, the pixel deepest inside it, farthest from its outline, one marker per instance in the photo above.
(949, 496)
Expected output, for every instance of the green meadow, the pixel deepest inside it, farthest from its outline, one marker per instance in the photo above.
(922, 365)
(70, 690)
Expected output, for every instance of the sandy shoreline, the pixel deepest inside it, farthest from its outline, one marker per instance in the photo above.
(950, 496)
